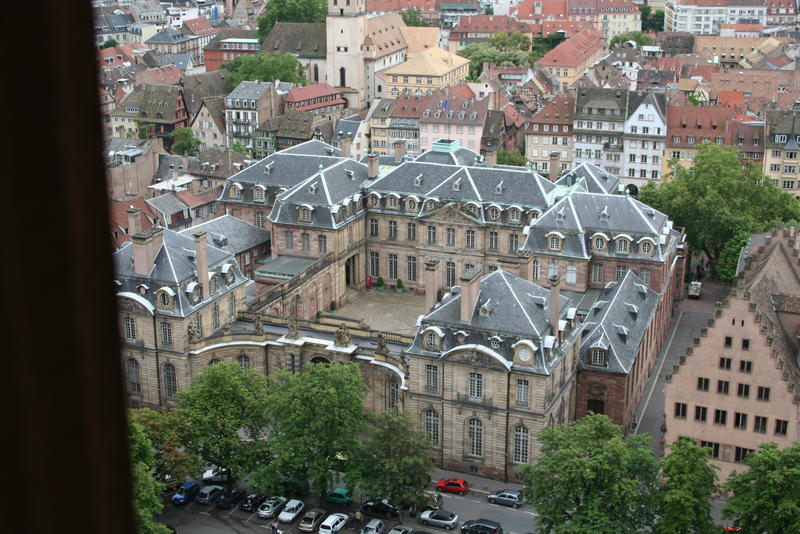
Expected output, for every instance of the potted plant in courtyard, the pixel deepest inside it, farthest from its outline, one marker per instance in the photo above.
(380, 283)
(399, 286)
(333, 306)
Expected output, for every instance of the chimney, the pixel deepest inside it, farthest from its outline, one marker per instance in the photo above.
(555, 165)
(524, 265)
(134, 221)
(490, 158)
(145, 247)
(194, 186)
(431, 287)
(201, 260)
(555, 297)
(399, 150)
(185, 163)
(470, 287)
(347, 145)
(373, 165)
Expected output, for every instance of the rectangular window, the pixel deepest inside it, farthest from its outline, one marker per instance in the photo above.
(745, 366)
(522, 392)
(450, 237)
(392, 230)
(374, 264)
(431, 378)
(713, 446)
(475, 385)
(411, 268)
(431, 235)
(493, 241)
(722, 387)
(572, 275)
(720, 417)
(760, 425)
(373, 227)
(763, 393)
(450, 274)
(702, 384)
(215, 316)
(644, 274)
(392, 265)
(745, 344)
(305, 241)
(470, 238)
(130, 328)
(552, 269)
(728, 342)
(700, 413)
(166, 333)
(513, 242)
(232, 306)
(411, 231)
(740, 454)
(288, 240)
(259, 217)
(597, 273)
(536, 270)
(621, 270)
(725, 363)
(781, 427)
(740, 420)
(743, 390)
(680, 410)
(322, 242)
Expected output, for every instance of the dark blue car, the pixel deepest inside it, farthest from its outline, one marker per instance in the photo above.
(186, 492)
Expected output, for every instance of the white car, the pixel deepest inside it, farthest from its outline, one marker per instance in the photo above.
(439, 518)
(333, 524)
(215, 474)
(291, 511)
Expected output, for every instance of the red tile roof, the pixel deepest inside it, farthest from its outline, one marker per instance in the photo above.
(574, 50)
(742, 27)
(569, 27)
(461, 91)
(169, 75)
(559, 110)
(426, 6)
(667, 64)
(780, 61)
(699, 122)
(731, 99)
(411, 106)
(488, 24)
(513, 116)
(200, 26)
(299, 94)
(118, 212)
(192, 200)
(547, 9)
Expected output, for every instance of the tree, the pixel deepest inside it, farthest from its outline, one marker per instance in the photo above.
(164, 429)
(640, 38)
(505, 42)
(109, 43)
(290, 11)
(686, 492)
(237, 146)
(266, 68)
(729, 257)
(147, 492)
(478, 54)
(184, 141)
(396, 460)
(716, 199)
(224, 413)
(652, 21)
(488, 10)
(766, 497)
(591, 479)
(411, 17)
(146, 129)
(504, 157)
(315, 419)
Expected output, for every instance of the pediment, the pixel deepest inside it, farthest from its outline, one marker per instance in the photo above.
(474, 358)
(453, 212)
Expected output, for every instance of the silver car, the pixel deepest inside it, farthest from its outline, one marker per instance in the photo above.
(509, 497)
(439, 518)
(271, 507)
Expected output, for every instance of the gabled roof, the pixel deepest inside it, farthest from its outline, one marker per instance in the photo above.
(167, 75)
(118, 212)
(197, 87)
(574, 50)
(299, 94)
(434, 62)
(199, 26)
(384, 32)
(590, 178)
(302, 39)
(169, 35)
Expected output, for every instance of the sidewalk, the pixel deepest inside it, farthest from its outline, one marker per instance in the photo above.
(477, 484)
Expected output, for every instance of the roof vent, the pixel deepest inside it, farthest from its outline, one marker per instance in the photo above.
(604, 214)
(418, 180)
(621, 330)
(349, 173)
(560, 214)
(313, 187)
(457, 185)
(499, 188)
(268, 167)
(633, 309)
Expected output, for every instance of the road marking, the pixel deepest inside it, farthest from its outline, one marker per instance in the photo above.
(231, 512)
(205, 513)
(251, 517)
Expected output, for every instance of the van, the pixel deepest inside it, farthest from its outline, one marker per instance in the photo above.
(375, 526)
(209, 494)
(186, 492)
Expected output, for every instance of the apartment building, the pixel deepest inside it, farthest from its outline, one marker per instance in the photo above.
(688, 126)
(600, 116)
(246, 107)
(549, 131)
(569, 60)
(424, 73)
(644, 139)
(781, 149)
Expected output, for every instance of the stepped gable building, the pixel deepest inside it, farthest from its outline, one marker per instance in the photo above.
(738, 386)
(491, 366)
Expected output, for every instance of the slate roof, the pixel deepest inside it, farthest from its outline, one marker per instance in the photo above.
(523, 316)
(169, 35)
(347, 127)
(167, 203)
(590, 178)
(250, 90)
(617, 324)
(285, 266)
(302, 39)
(231, 234)
(182, 61)
(461, 156)
(173, 267)
(231, 33)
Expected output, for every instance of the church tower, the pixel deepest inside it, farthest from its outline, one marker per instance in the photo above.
(346, 31)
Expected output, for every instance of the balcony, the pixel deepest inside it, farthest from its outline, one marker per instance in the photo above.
(614, 147)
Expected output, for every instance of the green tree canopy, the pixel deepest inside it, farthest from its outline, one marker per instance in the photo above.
(504, 157)
(316, 417)
(766, 497)
(146, 129)
(109, 43)
(224, 413)
(640, 38)
(396, 460)
(146, 491)
(411, 17)
(716, 199)
(652, 21)
(184, 141)
(478, 54)
(237, 146)
(592, 479)
(164, 429)
(515, 41)
(729, 257)
(290, 11)
(265, 67)
(686, 492)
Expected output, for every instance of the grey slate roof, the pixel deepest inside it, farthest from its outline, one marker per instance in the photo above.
(285, 266)
(590, 178)
(302, 39)
(197, 87)
(167, 204)
(250, 90)
(462, 156)
(231, 234)
(168, 35)
(617, 323)
(346, 128)
(180, 60)
(518, 310)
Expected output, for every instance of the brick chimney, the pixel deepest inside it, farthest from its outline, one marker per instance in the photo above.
(201, 260)
(347, 145)
(399, 150)
(555, 165)
(134, 221)
(145, 247)
(431, 285)
(555, 297)
(490, 158)
(470, 287)
(525, 258)
(373, 165)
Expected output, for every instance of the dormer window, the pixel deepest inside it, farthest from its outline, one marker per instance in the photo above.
(195, 294)
(554, 243)
(598, 357)
(431, 341)
(494, 213)
(305, 214)
(514, 215)
(431, 204)
(411, 205)
(213, 284)
(599, 243)
(494, 343)
(622, 245)
(393, 202)
(164, 300)
(373, 201)
(258, 194)
(646, 248)
(236, 191)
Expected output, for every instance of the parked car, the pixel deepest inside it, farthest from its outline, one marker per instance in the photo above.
(340, 496)
(311, 520)
(453, 485)
(291, 511)
(381, 507)
(271, 507)
(439, 518)
(375, 526)
(210, 494)
(481, 526)
(401, 529)
(509, 497)
(229, 498)
(252, 502)
(215, 474)
(333, 524)
(186, 492)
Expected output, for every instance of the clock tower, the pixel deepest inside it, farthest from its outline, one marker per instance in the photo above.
(346, 31)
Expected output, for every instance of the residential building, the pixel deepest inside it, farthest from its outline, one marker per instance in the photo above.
(120, 27)
(245, 241)
(688, 126)
(705, 17)
(171, 41)
(617, 17)
(583, 10)
(480, 28)
(569, 60)
(120, 219)
(198, 87)
(404, 124)
(379, 125)
(644, 139)
(246, 107)
(461, 120)
(202, 29)
(781, 149)
(319, 99)
(537, 12)
(781, 13)
(599, 127)
(158, 108)
(736, 387)
(550, 130)
(749, 142)
(424, 73)
(451, 11)
(209, 123)
(351, 136)
(229, 44)
(130, 163)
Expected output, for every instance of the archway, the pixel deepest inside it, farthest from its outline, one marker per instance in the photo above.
(595, 405)
(632, 190)
(320, 359)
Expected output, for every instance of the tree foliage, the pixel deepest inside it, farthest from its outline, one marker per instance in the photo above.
(652, 21)
(395, 460)
(591, 479)
(504, 157)
(237, 146)
(478, 54)
(315, 419)
(690, 481)
(640, 38)
(184, 142)
(766, 498)
(164, 429)
(146, 491)
(729, 257)
(224, 413)
(411, 17)
(265, 67)
(505, 41)
(716, 199)
(290, 11)
(109, 43)
(146, 129)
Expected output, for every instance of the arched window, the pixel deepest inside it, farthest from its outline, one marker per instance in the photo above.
(244, 362)
(475, 437)
(170, 381)
(342, 77)
(393, 394)
(214, 361)
(431, 422)
(134, 382)
(316, 73)
(520, 445)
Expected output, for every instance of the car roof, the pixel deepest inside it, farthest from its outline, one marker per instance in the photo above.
(332, 517)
